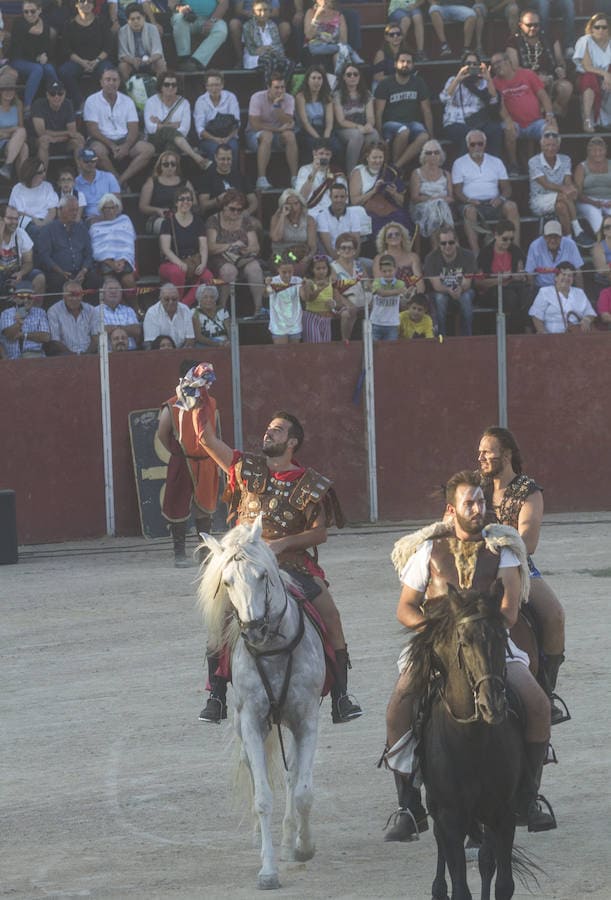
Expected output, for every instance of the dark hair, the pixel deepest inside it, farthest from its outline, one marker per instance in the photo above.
(507, 441)
(324, 93)
(132, 8)
(565, 265)
(156, 344)
(233, 196)
(338, 186)
(375, 145)
(531, 11)
(466, 476)
(362, 87)
(168, 72)
(321, 144)
(295, 426)
(182, 189)
(29, 170)
(387, 260)
(346, 236)
(226, 147)
(467, 53)
(503, 225)
(214, 73)
(3, 209)
(317, 259)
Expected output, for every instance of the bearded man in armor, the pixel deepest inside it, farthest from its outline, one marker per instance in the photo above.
(297, 506)
(462, 552)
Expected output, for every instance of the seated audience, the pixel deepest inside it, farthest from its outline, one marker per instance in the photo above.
(209, 320)
(118, 339)
(111, 120)
(431, 192)
(63, 249)
(379, 189)
(116, 312)
(504, 257)
(88, 45)
(168, 317)
(340, 218)
(449, 271)
(385, 58)
(415, 322)
(314, 180)
(592, 60)
(93, 183)
(552, 190)
(74, 325)
(24, 328)
(263, 46)
(546, 253)
(561, 307)
(592, 179)
(565, 10)
(31, 50)
(234, 249)
(526, 109)
(470, 100)
(158, 194)
(66, 188)
(292, 230)
(167, 119)
(198, 17)
(319, 301)
(394, 240)
(442, 11)
(271, 126)
(314, 111)
(242, 11)
(403, 111)
(352, 284)
(601, 252)
(482, 187)
(140, 50)
(13, 143)
(354, 114)
(325, 32)
(163, 342)
(217, 117)
(218, 178)
(54, 124)
(285, 293)
(184, 248)
(603, 307)
(113, 242)
(33, 197)
(529, 48)
(401, 15)
(16, 254)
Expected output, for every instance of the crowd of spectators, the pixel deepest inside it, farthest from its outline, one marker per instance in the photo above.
(390, 195)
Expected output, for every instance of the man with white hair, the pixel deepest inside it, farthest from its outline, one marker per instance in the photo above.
(169, 316)
(117, 313)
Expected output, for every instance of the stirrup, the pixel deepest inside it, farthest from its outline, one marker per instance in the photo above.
(411, 834)
(540, 799)
(560, 711)
(351, 709)
(214, 710)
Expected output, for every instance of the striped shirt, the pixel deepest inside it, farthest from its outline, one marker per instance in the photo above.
(36, 320)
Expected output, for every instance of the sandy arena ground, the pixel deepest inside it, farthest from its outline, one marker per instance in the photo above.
(113, 789)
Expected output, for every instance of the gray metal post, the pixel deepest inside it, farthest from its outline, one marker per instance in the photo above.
(370, 419)
(109, 485)
(501, 356)
(236, 388)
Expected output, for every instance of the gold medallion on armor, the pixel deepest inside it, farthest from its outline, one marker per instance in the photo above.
(273, 503)
(288, 515)
(254, 504)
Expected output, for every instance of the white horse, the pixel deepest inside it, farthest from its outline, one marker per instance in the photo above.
(277, 670)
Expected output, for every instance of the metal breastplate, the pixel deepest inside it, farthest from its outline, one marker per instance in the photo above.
(279, 517)
(464, 564)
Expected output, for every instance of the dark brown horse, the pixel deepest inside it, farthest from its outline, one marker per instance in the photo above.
(471, 750)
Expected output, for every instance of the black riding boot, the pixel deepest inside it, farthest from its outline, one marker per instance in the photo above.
(530, 811)
(202, 524)
(216, 707)
(551, 665)
(343, 709)
(178, 530)
(410, 818)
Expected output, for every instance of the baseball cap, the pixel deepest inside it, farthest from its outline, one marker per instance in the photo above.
(55, 86)
(87, 154)
(23, 287)
(552, 227)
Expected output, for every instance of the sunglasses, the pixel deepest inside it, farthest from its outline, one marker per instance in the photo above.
(170, 84)
(393, 33)
(56, 93)
(530, 24)
(346, 247)
(169, 163)
(446, 243)
(30, 12)
(600, 27)
(320, 257)
(185, 199)
(506, 238)
(393, 234)
(433, 152)
(351, 74)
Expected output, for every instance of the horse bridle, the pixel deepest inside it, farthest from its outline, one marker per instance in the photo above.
(264, 621)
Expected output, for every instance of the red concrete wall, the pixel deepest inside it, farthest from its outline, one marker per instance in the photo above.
(432, 400)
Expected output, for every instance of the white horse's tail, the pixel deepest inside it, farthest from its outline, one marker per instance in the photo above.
(241, 780)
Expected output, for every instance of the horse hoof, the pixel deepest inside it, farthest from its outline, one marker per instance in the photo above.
(303, 855)
(268, 882)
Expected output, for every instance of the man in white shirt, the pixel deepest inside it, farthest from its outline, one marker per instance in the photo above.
(481, 185)
(112, 124)
(314, 181)
(170, 317)
(339, 218)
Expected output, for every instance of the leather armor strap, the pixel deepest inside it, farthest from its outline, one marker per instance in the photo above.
(254, 471)
(311, 488)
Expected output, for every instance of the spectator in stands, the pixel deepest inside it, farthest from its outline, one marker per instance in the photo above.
(93, 183)
(113, 242)
(217, 117)
(470, 100)
(414, 322)
(88, 46)
(403, 111)
(234, 248)
(63, 249)
(285, 292)
(112, 124)
(24, 328)
(601, 252)
(449, 271)
(388, 293)
(3, 59)
(354, 114)
(66, 187)
(31, 50)
(184, 247)
(209, 321)
(167, 119)
(552, 190)
(565, 9)
(529, 48)
(401, 15)
(603, 308)
(158, 193)
(527, 108)
(352, 284)
(340, 218)
(593, 182)
(394, 240)
(442, 11)
(116, 312)
(325, 31)
(314, 180)
(118, 339)
(163, 342)
(16, 254)
(314, 111)
(482, 187)
(169, 317)
(198, 17)
(431, 192)
(546, 253)
(561, 307)
(241, 11)
(33, 197)
(263, 46)
(592, 60)
(319, 301)
(140, 49)
(54, 124)
(74, 325)
(271, 126)
(503, 256)
(292, 230)
(13, 145)
(379, 189)
(386, 57)
(219, 178)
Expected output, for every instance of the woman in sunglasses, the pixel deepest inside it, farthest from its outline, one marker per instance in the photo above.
(592, 60)
(470, 100)
(87, 42)
(354, 114)
(184, 247)
(384, 59)
(431, 192)
(159, 190)
(167, 119)
(234, 248)
(402, 14)
(31, 50)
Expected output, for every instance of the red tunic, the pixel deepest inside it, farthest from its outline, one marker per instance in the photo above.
(193, 477)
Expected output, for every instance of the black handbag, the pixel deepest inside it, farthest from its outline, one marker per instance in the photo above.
(222, 125)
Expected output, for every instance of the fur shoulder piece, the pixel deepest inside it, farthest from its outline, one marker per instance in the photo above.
(407, 546)
(499, 536)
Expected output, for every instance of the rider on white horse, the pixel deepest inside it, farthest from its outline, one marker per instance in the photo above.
(297, 506)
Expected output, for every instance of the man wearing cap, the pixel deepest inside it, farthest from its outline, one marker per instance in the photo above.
(547, 251)
(112, 124)
(74, 324)
(16, 254)
(94, 183)
(24, 328)
(54, 123)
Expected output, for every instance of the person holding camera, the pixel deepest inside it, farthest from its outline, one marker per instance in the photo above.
(314, 180)
(199, 17)
(470, 100)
